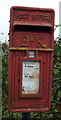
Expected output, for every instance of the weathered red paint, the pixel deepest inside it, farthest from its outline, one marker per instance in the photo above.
(31, 29)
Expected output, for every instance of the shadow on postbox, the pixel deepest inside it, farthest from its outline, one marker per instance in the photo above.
(30, 59)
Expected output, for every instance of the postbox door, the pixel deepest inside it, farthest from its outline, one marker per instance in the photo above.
(21, 71)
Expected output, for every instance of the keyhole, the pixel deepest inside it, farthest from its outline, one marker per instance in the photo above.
(18, 80)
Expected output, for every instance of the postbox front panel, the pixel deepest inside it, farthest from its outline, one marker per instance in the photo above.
(34, 39)
(30, 59)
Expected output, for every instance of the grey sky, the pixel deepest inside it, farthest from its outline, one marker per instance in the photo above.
(5, 6)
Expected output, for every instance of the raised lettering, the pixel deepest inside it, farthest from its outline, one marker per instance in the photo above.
(34, 17)
(23, 16)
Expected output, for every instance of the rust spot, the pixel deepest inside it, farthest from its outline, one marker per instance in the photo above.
(44, 45)
(29, 109)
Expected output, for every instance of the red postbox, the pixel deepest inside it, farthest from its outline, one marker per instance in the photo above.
(30, 59)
